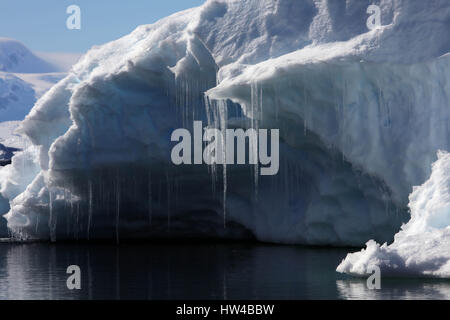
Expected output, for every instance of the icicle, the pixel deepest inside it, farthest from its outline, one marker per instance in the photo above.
(90, 210)
(52, 220)
(66, 204)
(305, 125)
(117, 208)
(215, 124)
(223, 127)
(160, 202)
(260, 103)
(217, 117)
(77, 220)
(254, 121)
(37, 225)
(209, 109)
(71, 211)
(344, 120)
(168, 200)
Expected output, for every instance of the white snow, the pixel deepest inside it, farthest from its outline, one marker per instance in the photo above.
(361, 115)
(15, 57)
(9, 138)
(19, 92)
(422, 247)
(25, 77)
(41, 82)
(16, 98)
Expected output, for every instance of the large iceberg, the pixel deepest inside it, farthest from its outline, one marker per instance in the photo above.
(361, 115)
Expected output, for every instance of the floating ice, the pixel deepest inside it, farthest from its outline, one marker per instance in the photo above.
(422, 247)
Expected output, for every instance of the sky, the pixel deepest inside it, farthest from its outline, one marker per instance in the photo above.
(41, 24)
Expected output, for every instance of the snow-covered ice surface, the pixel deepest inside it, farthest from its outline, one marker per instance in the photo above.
(422, 247)
(361, 115)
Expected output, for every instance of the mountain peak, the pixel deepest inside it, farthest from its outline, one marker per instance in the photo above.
(16, 57)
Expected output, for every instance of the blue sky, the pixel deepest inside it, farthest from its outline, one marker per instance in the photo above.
(41, 24)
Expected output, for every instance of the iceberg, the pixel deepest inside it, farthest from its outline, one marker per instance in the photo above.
(360, 115)
(422, 247)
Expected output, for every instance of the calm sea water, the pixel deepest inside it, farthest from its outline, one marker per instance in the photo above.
(192, 271)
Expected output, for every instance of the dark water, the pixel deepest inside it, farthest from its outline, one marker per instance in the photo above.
(192, 271)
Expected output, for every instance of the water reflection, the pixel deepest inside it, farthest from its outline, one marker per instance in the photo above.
(191, 271)
(405, 289)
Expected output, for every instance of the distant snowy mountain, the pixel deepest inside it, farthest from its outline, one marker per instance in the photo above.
(16, 97)
(361, 113)
(25, 77)
(15, 57)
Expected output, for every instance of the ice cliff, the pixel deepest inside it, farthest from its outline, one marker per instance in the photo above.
(361, 116)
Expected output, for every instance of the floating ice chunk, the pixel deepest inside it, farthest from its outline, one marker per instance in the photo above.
(422, 247)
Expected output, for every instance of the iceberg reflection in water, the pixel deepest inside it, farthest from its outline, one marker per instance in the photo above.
(192, 271)
(404, 289)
